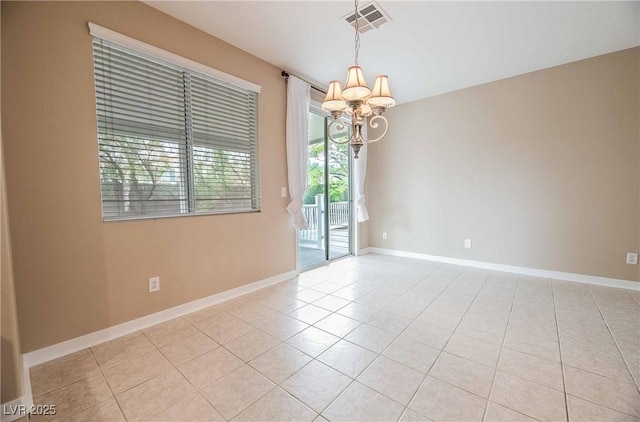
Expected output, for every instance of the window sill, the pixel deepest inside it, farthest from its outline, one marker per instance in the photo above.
(193, 214)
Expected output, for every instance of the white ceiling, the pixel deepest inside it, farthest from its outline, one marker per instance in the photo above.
(428, 48)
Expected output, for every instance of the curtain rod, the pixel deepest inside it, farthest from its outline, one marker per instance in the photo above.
(285, 75)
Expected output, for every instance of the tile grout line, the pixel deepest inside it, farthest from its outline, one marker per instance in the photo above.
(562, 366)
(219, 345)
(495, 370)
(615, 341)
(504, 339)
(106, 382)
(632, 297)
(275, 384)
(448, 339)
(354, 379)
(177, 370)
(60, 387)
(319, 414)
(528, 354)
(279, 385)
(426, 373)
(99, 367)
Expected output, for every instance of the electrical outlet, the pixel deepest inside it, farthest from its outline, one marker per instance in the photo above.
(384, 235)
(467, 243)
(154, 284)
(283, 192)
(632, 258)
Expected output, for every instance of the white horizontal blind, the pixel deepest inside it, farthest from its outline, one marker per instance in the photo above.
(171, 141)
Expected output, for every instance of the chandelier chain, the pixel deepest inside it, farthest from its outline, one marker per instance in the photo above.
(363, 106)
(357, 40)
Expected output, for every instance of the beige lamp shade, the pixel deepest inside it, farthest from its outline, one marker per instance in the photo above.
(381, 94)
(356, 87)
(333, 100)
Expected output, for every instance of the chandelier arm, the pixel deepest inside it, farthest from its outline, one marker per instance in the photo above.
(340, 125)
(374, 125)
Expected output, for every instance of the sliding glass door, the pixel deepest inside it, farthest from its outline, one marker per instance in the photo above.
(327, 202)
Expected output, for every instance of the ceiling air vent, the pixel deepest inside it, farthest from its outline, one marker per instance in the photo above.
(370, 16)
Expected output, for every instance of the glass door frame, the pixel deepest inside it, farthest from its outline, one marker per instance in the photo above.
(316, 109)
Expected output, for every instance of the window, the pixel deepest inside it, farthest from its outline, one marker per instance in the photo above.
(172, 141)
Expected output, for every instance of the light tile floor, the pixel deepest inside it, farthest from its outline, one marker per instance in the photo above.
(372, 338)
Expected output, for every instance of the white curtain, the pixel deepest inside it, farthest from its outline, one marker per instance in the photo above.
(297, 146)
(359, 174)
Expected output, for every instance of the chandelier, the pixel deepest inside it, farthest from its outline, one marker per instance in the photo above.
(363, 105)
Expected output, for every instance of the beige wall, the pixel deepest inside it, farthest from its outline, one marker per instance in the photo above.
(75, 274)
(10, 357)
(539, 170)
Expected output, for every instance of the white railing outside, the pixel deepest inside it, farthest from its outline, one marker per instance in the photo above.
(314, 213)
(338, 214)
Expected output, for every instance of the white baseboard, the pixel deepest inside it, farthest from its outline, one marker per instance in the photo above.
(79, 343)
(558, 275)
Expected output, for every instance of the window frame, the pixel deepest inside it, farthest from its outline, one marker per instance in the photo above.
(186, 145)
